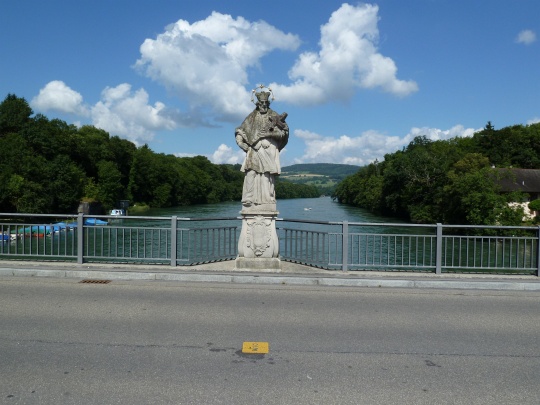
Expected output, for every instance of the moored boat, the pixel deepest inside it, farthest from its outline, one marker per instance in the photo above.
(95, 222)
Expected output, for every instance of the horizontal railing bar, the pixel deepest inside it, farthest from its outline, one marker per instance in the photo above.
(396, 225)
(528, 228)
(196, 219)
(210, 219)
(307, 221)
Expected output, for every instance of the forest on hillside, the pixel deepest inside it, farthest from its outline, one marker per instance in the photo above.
(49, 166)
(324, 176)
(448, 181)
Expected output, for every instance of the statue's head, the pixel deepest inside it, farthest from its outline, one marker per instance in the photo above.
(263, 101)
(263, 98)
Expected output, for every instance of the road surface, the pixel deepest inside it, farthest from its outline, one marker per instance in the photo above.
(143, 342)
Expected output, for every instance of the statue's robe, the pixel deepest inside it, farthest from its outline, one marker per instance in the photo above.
(262, 140)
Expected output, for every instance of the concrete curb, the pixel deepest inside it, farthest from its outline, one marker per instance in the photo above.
(280, 279)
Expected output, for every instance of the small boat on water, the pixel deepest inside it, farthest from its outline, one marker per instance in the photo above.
(118, 212)
(65, 226)
(95, 222)
(39, 231)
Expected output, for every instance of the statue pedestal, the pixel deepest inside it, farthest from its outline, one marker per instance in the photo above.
(258, 246)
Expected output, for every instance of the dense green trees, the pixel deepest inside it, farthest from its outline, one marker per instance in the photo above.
(48, 166)
(448, 181)
(286, 189)
(14, 114)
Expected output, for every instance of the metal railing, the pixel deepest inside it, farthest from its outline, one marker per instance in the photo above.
(85, 238)
(410, 247)
(347, 246)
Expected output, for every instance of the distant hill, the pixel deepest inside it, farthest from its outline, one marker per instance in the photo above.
(324, 176)
(325, 169)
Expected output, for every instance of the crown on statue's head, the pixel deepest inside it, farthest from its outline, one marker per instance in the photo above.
(262, 95)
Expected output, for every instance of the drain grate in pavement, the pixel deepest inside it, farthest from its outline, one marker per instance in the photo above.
(95, 281)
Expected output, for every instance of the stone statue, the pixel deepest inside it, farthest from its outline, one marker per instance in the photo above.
(262, 135)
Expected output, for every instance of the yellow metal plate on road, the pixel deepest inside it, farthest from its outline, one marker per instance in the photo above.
(255, 347)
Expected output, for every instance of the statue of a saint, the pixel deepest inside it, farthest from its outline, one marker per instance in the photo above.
(262, 135)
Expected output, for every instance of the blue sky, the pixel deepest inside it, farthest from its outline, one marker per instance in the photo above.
(358, 80)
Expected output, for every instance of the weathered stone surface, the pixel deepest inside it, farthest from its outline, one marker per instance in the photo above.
(258, 237)
(262, 135)
(258, 264)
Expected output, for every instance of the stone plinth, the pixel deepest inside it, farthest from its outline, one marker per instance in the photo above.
(272, 264)
(258, 246)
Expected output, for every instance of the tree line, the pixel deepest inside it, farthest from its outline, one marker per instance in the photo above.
(448, 181)
(49, 166)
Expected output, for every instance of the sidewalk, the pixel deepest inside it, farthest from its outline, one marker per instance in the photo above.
(291, 274)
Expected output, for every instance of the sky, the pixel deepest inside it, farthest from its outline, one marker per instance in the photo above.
(358, 80)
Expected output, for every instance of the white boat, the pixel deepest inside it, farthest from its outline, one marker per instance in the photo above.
(118, 212)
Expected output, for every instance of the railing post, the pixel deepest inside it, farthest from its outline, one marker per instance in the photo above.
(438, 250)
(174, 226)
(80, 238)
(538, 251)
(345, 245)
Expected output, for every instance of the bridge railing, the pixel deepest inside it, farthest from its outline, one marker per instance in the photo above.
(411, 247)
(91, 238)
(347, 246)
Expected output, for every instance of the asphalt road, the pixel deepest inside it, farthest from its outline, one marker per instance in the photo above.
(130, 342)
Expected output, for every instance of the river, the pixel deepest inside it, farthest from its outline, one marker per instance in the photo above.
(310, 209)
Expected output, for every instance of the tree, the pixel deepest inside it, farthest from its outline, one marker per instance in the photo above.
(14, 114)
(33, 198)
(110, 188)
(363, 189)
(66, 184)
(474, 196)
(415, 177)
(122, 152)
(516, 146)
(144, 175)
(286, 189)
(534, 205)
(91, 145)
(15, 156)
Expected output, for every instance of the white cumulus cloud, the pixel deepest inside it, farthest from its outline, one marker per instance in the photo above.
(436, 134)
(226, 154)
(57, 96)
(348, 59)
(129, 114)
(368, 146)
(526, 37)
(359, 150)
(120, 111)
(206, 62)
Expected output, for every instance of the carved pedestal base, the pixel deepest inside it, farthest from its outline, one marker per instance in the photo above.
(258, 247)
